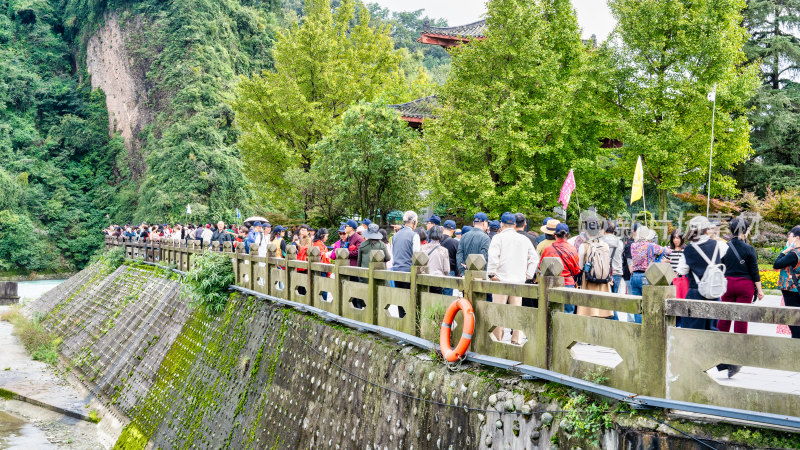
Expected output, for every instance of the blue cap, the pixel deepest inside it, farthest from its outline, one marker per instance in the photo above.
(366, 222)
(266, 225)
(459, 232)
(257, 224)
(508, 218)
(546, 219)
(450, 224)
(466, 229)
(480, 217)
(352, 224)
(436, 220)
(280, 228)
(562, 227)
(341, 228)
(494, 225)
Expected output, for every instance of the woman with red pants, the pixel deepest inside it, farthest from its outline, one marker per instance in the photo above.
(741, 270)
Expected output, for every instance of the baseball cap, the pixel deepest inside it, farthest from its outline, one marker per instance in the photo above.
(508, 218)
(466, 229)
(450, 224)
(256, 224)
(280, 228)
(459, 232)
(480, 217)
(266, 225)
(494, 225)
(546, 219)
(562, 227)
(352, 224)
(366, 222)
(436, 220)
(341, 228)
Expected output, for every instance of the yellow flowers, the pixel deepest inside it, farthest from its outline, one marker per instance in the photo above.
(769, 279)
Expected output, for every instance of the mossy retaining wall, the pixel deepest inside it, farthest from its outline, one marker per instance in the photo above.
(261, 376)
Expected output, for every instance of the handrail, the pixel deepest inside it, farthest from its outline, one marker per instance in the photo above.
(604, 300)
(742, 312)
(645, 348)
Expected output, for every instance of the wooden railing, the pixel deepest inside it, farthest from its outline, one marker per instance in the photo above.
(658, 359)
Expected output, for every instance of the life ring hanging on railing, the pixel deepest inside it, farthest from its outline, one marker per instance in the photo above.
(450, 354)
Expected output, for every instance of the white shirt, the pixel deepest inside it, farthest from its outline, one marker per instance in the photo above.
(512, 257)
(614, 242)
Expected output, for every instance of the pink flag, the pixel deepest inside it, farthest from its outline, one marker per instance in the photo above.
(566, 190)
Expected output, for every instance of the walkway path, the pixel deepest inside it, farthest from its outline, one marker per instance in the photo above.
(34, 379)
(39, 381)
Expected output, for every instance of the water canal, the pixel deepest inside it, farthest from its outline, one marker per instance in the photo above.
(26, 426)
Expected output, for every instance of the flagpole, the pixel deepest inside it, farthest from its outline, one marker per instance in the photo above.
(644, 204)
(711, 156)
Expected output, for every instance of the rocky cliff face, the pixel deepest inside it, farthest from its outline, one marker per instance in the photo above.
(112, 68)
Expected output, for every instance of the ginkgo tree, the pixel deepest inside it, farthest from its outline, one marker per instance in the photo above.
(330, 61)
(513, 115)
(667, 56)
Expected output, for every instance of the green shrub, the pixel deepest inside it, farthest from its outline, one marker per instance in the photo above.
(782, 208)
(207, 283)
(40, 343)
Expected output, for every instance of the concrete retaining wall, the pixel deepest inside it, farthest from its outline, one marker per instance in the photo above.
(259, 376)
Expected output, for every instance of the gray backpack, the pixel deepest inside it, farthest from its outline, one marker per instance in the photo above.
(713, 284)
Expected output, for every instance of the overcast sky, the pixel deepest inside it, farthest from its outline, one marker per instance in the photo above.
(593, 15)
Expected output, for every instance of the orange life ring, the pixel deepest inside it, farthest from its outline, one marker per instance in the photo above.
(450, 354)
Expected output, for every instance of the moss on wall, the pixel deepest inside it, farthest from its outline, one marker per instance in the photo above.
(260, 376)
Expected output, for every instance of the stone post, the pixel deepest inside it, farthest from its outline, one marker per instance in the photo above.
(9, 294)
(653, 343)
(251, 267)
(183, 256)
(376, 258)
(419, 263)
(476, 270)
(313, 256)
(550, 277)
(291, 255)
(342, 260)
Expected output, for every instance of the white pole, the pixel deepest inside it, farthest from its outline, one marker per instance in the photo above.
(644, 204)
(711, 156)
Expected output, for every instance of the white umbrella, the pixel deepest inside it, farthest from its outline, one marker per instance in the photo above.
(250, 220)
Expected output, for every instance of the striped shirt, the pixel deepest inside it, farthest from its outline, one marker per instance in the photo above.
(674, 259)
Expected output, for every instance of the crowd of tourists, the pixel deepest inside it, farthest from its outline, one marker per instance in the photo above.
(596, 258)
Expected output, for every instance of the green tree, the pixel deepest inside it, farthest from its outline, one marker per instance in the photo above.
(773, 44)
(322, 67)
(366, 165)
(670, 53)
(511, 122)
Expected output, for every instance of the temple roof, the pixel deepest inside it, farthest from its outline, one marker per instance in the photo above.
(470, 30)
(416, 110)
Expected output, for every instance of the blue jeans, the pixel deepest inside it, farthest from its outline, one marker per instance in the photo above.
(637, 281)
(569, 309)
(615, 289)
(448, 291)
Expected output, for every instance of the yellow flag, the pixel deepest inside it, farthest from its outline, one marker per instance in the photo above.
(637, 190)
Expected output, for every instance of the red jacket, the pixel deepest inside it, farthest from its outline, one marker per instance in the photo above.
(569, 258)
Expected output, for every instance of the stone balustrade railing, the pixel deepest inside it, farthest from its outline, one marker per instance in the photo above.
(657, 358)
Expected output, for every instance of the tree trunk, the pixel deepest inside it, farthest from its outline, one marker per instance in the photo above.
(662, 204)
(776, 68)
